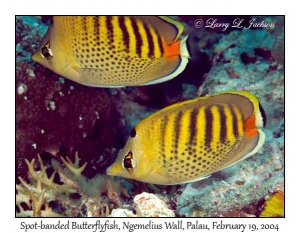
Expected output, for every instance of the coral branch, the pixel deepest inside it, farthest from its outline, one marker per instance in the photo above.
(37, 203)
(74, 167)
(40, 189)
(42, 166)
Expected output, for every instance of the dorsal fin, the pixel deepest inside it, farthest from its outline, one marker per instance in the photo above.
(248, 147)
(169, 28)
(249, 105)
(245, 101)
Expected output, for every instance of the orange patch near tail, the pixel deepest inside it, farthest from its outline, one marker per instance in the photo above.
(172, 50)
(250, 127)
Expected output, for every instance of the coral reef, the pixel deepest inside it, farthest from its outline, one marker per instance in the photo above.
(278, 46)
(150, 205)
(56, 117)
(122, 213)
(241, 61)
(76, 196)
(146, 205)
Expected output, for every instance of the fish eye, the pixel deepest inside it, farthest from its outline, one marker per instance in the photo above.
(129, 163)
(133, 133)
(46, 52)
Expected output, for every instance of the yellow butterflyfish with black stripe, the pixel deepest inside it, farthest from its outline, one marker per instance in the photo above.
(189, 141)
(114, 51)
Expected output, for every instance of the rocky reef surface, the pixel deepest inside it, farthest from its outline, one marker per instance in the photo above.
(55, 118)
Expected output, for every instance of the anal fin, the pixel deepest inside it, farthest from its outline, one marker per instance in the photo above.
(248, 147)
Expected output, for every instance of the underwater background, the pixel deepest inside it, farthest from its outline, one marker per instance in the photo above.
(57, 119)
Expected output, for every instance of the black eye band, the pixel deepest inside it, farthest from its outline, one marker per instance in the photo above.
(133, 133)
(127, 163)
(45, 50)
(47, 55)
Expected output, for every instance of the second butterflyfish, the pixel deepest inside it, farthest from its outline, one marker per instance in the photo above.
(113, 51)
(189, 141)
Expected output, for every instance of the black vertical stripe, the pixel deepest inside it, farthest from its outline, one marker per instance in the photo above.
(138, 37)
(208, 127)
(160, 44)
(84, 25)
(243, 116)
(223, 129)
(150, 40)
(110, 29)
(96, 28)
(177, 127)
(263, 115)
(163, 132)
(235, 121)
(193, 125)
(124, 31)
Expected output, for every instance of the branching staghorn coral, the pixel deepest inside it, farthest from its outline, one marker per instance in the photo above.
(90, 199)
(39, 188)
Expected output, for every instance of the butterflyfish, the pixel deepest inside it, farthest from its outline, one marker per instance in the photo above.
(190, 140)
(114, 51)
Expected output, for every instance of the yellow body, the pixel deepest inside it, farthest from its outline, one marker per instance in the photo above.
(112, 51)
(190, 140)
